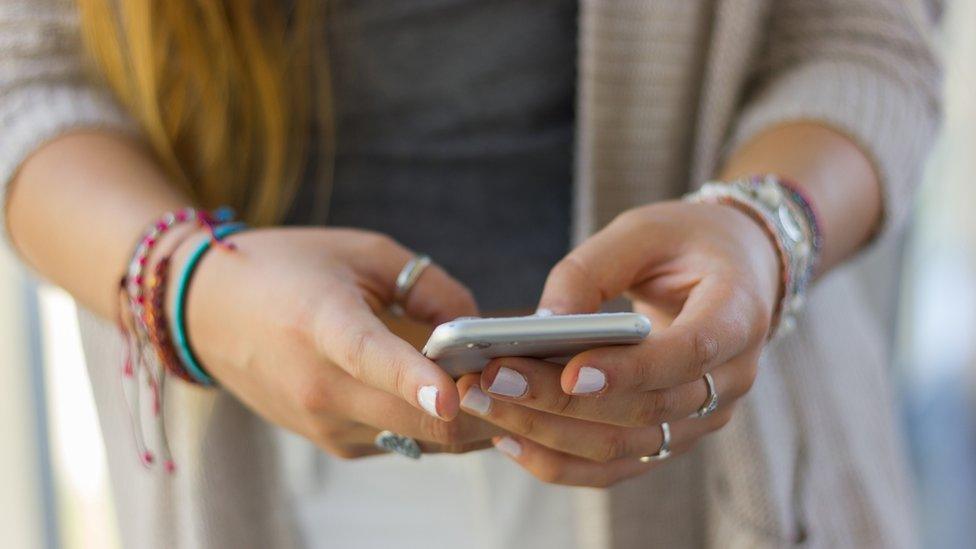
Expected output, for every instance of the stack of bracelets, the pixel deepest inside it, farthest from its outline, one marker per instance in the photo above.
(789, 220)
(154, 345)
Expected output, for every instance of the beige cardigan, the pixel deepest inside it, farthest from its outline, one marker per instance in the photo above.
(666, 87)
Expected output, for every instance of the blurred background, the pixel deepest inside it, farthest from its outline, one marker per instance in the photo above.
(55, 487)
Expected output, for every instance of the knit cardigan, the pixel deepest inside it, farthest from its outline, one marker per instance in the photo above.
(666, 89)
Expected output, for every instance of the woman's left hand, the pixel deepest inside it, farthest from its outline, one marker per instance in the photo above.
(707, 276)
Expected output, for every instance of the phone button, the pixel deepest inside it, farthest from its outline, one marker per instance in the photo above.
(479, 345)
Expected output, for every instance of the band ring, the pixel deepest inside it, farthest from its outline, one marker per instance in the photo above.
(665, 450)
(711, 402)
(398, 444)
(409, 275)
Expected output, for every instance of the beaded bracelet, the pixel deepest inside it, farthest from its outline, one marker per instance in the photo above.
(790, 221)
(180, 337)
(136, 272)
(140, 314)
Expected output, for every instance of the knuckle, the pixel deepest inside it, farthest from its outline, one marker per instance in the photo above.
(526, 424)
(552, 472)
(614, 447)
(721, 419)
(379, 243)
(659, 407)
(313, 397)
(446, 433)
(629, 218)
(357, 351)
(704, 351)
(560, 404)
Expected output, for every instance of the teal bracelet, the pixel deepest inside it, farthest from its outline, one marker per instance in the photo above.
(183, 348)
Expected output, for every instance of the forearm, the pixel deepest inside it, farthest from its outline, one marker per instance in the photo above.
(832, 171)
(77, 207)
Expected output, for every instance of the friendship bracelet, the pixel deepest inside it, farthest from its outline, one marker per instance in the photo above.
(180, 337)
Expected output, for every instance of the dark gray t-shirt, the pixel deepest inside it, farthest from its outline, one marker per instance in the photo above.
(454, 134)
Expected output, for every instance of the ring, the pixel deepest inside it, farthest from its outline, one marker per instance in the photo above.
(398, 444)
(665, 450)
(711, 402)
(409, 275)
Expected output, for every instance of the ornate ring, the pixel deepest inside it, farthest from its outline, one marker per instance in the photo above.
(711, 401)
(665, 450)
(398, 444)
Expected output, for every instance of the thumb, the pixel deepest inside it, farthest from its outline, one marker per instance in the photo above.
(601, 268)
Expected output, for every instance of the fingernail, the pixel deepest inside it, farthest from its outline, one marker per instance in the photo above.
(508, 383)
(427, 397)
(589, 380)
(543, 312)
(476, 401)
(510, 446)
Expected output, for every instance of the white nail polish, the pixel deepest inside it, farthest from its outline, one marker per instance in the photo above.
(509, 446)
(590, 380)
(427, 397)
(476, 401)
(508, 383)
(543, 312)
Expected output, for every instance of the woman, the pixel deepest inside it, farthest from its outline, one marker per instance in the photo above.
(214, 103)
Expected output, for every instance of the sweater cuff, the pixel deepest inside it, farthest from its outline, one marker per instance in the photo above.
(891, 121)
(33, 115)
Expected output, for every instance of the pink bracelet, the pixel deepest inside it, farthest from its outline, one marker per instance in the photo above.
(135, 320)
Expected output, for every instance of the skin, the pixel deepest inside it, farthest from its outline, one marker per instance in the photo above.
(290, 321)
(707, 275)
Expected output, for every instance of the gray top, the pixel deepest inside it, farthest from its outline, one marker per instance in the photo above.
(454, 134)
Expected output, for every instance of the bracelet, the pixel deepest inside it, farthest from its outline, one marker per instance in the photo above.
(142, 325)
(183, 348)
(136, 272)
(789, 220)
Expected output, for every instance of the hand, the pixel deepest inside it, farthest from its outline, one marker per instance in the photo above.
(287, 324)
(707, 276)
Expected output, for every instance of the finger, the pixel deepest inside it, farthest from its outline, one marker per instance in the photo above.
(360, 344)
(716, 324)
(435, 297)
(586, 439)
(536, 384)
(555, 467)
(384, 412)
(605, 265)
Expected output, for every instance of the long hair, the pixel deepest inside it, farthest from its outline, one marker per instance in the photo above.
(221, 88)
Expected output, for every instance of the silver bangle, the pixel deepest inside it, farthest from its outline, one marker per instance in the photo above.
(789, 220)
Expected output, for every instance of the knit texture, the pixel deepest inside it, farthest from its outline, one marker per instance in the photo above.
(666, 90)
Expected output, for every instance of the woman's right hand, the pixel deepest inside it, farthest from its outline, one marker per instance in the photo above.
(287, 323)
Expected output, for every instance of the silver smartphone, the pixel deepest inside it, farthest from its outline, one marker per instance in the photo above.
(466, 345)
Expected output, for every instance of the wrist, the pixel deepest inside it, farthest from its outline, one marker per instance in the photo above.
(200, 316)
(789, 222)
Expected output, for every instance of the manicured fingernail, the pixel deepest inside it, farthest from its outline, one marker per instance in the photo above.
(476, 401)
(508, 383)
(589, 380)
(427, 397)
(510, 446)
(543, 312)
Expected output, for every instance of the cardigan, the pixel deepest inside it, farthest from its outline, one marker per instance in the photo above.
(813, 454)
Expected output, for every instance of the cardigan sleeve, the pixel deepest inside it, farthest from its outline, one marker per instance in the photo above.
(864, 67)
(44, 89)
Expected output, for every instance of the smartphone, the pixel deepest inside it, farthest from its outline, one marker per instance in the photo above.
(465, 345)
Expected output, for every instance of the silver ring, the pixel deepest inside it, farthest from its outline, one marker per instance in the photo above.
(398, 444)
(711, 402)
(665, 450)
(409, 275)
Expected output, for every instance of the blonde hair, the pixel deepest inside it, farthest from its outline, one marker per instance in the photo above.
(221, 88)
